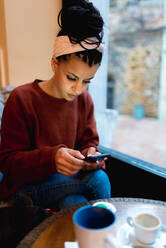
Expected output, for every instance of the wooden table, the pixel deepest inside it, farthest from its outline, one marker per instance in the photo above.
(58, 228)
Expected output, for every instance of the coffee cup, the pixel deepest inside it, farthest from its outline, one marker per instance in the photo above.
(146, 227)
(92, 225)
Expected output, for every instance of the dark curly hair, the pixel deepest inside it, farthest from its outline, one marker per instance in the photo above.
(79, 20)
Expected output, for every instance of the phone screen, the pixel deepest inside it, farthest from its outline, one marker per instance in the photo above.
(94, 158)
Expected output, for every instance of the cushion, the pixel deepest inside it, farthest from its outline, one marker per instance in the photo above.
(4, 93)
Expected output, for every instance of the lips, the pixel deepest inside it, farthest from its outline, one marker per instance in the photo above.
(72, 96)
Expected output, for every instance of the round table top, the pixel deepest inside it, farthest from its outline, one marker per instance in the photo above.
(58, 228)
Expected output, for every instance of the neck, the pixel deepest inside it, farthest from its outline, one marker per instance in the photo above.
(49, 87)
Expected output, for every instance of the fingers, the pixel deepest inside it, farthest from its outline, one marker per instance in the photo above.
(69, 156)
(65, 171)
(93, 166)
(103, 167)
(76, 154)
(68, 161)
(91, 151)
(68, 168)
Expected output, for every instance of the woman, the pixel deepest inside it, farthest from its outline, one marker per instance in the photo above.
(48, 127)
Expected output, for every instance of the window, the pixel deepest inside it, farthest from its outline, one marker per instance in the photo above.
(133, 95)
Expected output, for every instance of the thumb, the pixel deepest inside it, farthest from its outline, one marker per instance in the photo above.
(91, 151)
(76, 154)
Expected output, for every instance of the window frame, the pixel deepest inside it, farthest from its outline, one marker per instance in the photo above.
(98, 91)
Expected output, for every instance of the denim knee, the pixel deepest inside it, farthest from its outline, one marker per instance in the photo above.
(100, 184)
(72, 200)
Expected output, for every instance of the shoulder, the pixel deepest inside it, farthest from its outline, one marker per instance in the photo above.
(23, 92)
(23, 89)
(20, 97)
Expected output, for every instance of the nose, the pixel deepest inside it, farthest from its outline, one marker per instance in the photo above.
(77, 88)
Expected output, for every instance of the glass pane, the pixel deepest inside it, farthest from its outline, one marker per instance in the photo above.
(135, 78)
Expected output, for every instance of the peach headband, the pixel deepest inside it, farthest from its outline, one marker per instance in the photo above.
(64, 46)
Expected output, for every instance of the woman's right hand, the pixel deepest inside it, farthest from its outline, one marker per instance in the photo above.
(69, 161)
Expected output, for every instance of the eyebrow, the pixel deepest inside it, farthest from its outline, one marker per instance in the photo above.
(78, 77)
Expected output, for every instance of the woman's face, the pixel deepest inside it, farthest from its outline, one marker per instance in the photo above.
(72, 77)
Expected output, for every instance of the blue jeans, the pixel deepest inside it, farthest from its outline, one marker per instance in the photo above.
(61, 191)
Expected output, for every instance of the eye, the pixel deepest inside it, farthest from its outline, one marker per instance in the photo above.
(70, 78)
(86, 82)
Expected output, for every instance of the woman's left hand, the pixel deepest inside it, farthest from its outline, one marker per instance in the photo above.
(94, 165)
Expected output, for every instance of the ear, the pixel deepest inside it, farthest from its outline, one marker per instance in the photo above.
(54, 63)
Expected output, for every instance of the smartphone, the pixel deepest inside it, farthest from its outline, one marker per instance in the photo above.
(94, 158)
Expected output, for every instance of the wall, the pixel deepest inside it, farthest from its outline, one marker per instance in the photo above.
(31, 27)
(162, 92)
(98, 87)
(3, 49)
(136, 32)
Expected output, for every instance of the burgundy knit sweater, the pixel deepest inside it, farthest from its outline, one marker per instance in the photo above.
(34, 126)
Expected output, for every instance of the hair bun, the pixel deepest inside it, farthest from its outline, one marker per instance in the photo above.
(80, 20)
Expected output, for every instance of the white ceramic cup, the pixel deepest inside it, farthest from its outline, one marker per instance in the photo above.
(146, 227)
(92, 225)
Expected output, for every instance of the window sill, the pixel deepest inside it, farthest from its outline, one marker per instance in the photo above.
(141, 164)
(132, 177)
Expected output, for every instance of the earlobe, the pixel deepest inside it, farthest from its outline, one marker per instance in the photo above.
(54, 63)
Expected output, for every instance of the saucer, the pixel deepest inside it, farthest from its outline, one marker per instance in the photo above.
(126, 237)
